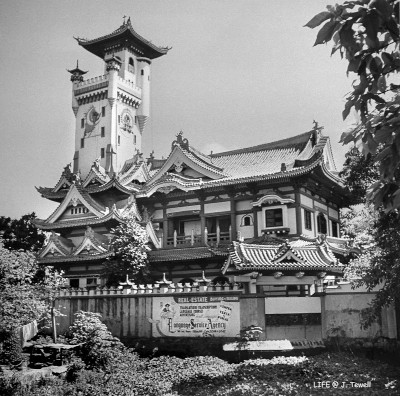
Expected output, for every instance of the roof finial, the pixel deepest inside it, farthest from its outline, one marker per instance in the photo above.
(124, 19)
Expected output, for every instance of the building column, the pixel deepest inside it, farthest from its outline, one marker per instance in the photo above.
(233, 217)
(202, 221)
(299, 225)
(165, 226)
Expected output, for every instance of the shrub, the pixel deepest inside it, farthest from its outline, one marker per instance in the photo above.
(99, 345)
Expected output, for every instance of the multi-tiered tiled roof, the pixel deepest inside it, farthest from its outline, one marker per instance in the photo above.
(124, 34)
(187, 169)
(283, 255)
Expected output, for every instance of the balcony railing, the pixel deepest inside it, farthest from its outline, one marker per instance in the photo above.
(192, 240)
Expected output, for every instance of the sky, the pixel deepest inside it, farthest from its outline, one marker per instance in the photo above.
(240, 73)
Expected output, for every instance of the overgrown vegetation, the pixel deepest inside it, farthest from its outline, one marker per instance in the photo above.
(377, 235)
(21, 233)
(26, 292)
(129, 375)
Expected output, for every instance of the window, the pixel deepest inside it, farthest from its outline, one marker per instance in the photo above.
(135, 119)
(335, 229)
(119, 119)
(285, 290)
(91, 282)
(134, 139)
(184, 281)
(273, 218)
(82, 122)
(119, 140)
(247, 220)
(142, 72)
(131, 66)
(74, 283)
(321, 224)
(82, 142)
(103, 111)
(102, 153)
(103, 132)
(307, 220)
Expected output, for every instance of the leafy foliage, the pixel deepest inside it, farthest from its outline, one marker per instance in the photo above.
(21, 233)
(376, 233)
(203, 376)
(130, 253)
(367, 34)
(25, 288)
(99, 344)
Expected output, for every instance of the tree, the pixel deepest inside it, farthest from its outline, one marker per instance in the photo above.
(21, 233)
(26, 290)
(376, 233)
(367, 34)
(130, 248)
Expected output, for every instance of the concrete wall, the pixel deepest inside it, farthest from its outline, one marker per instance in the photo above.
(127, 315)
(297, 332)
(341, 314)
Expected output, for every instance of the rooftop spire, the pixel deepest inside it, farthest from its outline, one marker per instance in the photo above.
(77, 74)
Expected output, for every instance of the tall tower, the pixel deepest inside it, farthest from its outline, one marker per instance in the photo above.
(111, 110)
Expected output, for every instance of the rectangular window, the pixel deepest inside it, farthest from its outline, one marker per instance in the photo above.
(103, 111)
(273, 218)
(82, 142)
(135, 119)
(74, 283)
(142, 72)
(91, 281)
(119, 140)
(284, 290)
(321, 224)
(119, 119)
(102, 153)
(134, 139)
(82, 122)
(335, 229)
(307, 220)
(103, 132)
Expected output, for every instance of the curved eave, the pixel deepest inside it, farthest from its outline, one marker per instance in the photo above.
(97, 46)
(111, 184)
(78, 223)
(248, 267)
(197, 183)
(48, 193)
(79, 258)
(178, 154)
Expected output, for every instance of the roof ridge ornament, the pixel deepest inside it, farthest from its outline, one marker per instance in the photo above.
(180, 141)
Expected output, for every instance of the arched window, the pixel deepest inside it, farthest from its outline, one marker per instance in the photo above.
(247, 220)
(321, 224)
(131, 65)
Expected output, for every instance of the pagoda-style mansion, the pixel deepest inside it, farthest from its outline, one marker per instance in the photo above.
(266, 216)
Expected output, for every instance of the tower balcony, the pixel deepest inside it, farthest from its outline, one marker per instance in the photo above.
(102, 82)
(92, 84)
(130, 87)
(193, 239)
